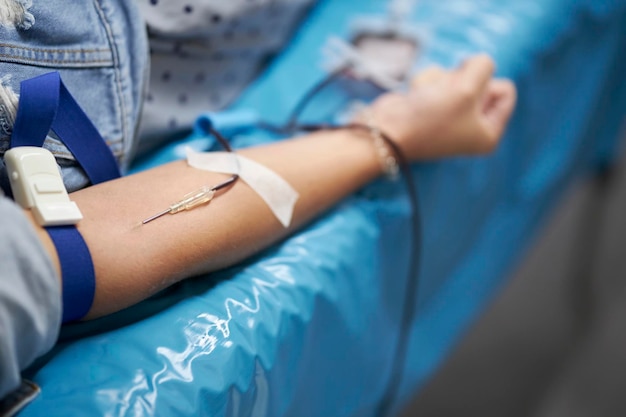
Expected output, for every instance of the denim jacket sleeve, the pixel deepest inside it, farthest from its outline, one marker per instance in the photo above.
(30, 297)
(100, 49)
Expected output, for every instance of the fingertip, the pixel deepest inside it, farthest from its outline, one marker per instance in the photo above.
(429, 75)
(477, 71)
(505, 85)
(486, 59)
(502, 89)
(509, 92)
(482, 60)
(500, 105)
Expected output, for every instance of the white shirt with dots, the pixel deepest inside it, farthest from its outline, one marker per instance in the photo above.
(205, 52)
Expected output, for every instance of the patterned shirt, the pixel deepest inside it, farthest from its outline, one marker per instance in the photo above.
(205, 52)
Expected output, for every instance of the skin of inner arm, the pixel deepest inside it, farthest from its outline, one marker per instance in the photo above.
(133, 261)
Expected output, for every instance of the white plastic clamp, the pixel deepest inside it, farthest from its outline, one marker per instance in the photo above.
(37, 185)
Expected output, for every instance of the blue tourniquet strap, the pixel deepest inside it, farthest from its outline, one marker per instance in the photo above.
(79, 284)
(36, 111)
(46, 104)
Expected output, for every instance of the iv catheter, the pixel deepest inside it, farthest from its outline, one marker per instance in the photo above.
(194, 199)
(204, 194)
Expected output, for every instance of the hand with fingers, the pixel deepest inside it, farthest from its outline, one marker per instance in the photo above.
(448, 112)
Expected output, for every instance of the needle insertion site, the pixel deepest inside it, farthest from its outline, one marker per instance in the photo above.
(192, 200)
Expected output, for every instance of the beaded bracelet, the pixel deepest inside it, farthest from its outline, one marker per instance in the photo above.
(389, 153)
(387, 159)
(386, 148)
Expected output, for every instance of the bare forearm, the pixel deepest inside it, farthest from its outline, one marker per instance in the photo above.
(445, 113)
(133, 261)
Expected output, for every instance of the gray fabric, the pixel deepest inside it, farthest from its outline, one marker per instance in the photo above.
(30, 297)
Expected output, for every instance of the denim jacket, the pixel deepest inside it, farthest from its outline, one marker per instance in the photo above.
(100, 49)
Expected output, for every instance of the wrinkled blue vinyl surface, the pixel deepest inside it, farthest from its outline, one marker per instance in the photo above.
(309, 327)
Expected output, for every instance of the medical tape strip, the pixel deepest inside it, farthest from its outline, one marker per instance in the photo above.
(277, 193)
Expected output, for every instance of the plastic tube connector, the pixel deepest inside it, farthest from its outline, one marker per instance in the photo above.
(193, 199)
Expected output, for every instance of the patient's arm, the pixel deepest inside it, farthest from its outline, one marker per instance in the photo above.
(447, 113)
